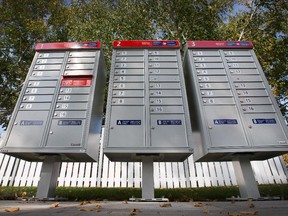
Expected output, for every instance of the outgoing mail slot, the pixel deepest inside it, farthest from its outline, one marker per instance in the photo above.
(162, 65)
(128, 86)
(78, 72)
(39, 74)
(166, 109)
(163, 71)
(75, 90)
(162, 58)
(129, 59)
(254, 85)
(127, 101)
(251, 78)
(35, 106)
(128, 93)
(42, 83)
(207, 59)
(165, 93)
(70, 114)
(161, 52)
(49, 61)
(129, 65)
(128, 78)
(258, 109)
(166, 101)
(79, 66)
(212, 79)
(51, 55)
(211, 72)
(73, 98)
(40, 91)
(244, 71)
(164, 78)
(206, 53)
(214, 86)
(71, 106)
(164, 85)
(129, 71)
(75, 81)
(47, 67)
(216, 93)
(240, 59)
(209, 65)
(256, 93)
(237, 53)
(255, 100)
(241, 65)
(129, 52)
(81, 60)
(37, 98)
(218, 101)
(82, 54)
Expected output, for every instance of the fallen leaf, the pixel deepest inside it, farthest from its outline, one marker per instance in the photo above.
(248, 212)
(54, 205)
(85, 203)
(166, 205)
(98, 206)
(125, 202)
(134, 210)
(233, 214)
(251, 205)
(198, 204)
(12, 209)
(87, 209)
(206, 211)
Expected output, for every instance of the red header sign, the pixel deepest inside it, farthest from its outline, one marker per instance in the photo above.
(146, 43)
(71, 81)
(68, 45)
(220, 44)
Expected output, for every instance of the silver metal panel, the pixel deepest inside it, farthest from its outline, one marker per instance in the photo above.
(73, 98)
(241, 65)
(128, 101)
(128, 86)
(129, 65)
(258, 109)
(42, 83)
(39, 74)
(251, 78)
(71, 106)
(244, 71)
(163, 71)
(166, 101)
(214, 86)
(211, 72)
(128, 78)
(165, 93)
(163, 65)
(51, 55)
(216, 93)
(78, 72)
(166, 109)
(70, 114)
(128, 93)
(218, 101)
(125, 136)
(82, 54)
(212, 79)
(50, 61)
(237, 53)
(162, 58)
(47, 67)
(209, 65)
(162, 52)
(126, 52)
(164, 85)
(168, 135)
(38, 98)
(25, 123)
(129, 59)
(161, 78)
(81, 60)
(129, 71)
(255, 100)
(39, 91)
(240, 59)
(256, 93)
(208, 59)
(224, 135)
(79, 66)
(58, 135)
(35, 106)
(206, 53)
(251, 85)
(75, 90)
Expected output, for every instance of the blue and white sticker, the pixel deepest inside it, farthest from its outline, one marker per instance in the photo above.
(225, 121)
(169, 122)
(264, 121)
(31, 122)
(69, 122)
(128, 122)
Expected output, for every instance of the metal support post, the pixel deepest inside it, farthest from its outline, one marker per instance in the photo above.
(48, 178)
(147, 178)
(245, 178)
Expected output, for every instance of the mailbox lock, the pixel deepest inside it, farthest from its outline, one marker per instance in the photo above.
(69, 60)
(67, 66)
(210, 127)
(203, 93)
(111, 128)
(204, 101)
(15, 123)
(244, 109)
(250, 126)
(61, 90)
(200, 78)
(33, 74)
(51, 132)
(152, 128)
(57, 106)
(22, 106)
(36, 67)
(27, 91)
(24, 98)
(59, 98)
(55, 114)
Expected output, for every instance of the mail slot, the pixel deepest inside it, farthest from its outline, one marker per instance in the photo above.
(38, 83)
(129, 71)
(129, 65)
(207, 59)
(49, 61)
(47, 67)
(164, 71)
(81, 60)
(130, 59)
(128, 93)
(39, 91)
(130, 52)
(51, 55)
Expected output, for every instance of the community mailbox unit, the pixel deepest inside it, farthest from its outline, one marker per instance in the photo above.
(232, 108)
(59, 110)
(147, 109)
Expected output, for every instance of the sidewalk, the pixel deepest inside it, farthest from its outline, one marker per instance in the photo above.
(262, 208)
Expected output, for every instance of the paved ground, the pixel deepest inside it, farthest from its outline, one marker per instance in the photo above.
(239, 208)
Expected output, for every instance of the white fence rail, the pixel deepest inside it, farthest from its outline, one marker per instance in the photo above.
(104, 173)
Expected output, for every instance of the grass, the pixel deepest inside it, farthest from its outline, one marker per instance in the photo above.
(120, 194)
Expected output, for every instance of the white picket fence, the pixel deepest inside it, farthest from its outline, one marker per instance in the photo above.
(104, 173)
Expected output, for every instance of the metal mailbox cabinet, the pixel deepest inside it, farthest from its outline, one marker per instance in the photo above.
(147, 109)
(232, 108)
(59, 110)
